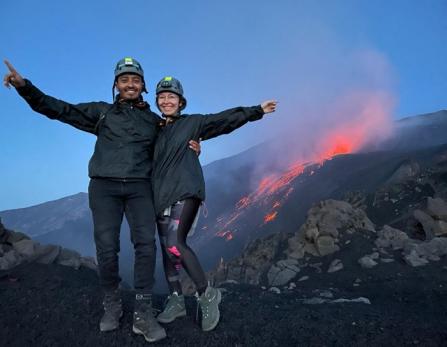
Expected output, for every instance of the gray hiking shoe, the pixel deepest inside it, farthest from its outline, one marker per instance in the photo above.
(144, 322)
(175, 307)
(113, 311)
(209, 305)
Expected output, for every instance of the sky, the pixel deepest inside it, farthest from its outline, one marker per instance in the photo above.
(311, 56)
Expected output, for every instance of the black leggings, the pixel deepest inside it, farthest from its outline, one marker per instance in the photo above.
(173, 231)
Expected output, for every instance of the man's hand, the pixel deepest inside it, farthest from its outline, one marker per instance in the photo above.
(195, 146)
(13, 77)
(269, 106)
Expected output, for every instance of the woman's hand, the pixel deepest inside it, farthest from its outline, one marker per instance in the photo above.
(12, 77)
(195, 146)
(269, 106)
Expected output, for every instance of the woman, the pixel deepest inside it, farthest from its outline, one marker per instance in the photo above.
(179, 189)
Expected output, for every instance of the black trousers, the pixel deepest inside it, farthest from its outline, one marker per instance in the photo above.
(109, 201)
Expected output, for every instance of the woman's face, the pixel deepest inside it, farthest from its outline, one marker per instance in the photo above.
(169, 103)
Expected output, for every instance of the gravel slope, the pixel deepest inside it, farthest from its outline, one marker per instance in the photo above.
(52, 305)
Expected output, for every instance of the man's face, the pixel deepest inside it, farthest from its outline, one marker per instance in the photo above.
(129, 86)
(169, 103)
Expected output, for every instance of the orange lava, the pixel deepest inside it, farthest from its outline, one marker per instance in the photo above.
(358, 119)
(270, 217)
(242, 203)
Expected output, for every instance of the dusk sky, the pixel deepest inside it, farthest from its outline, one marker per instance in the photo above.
(308, 55)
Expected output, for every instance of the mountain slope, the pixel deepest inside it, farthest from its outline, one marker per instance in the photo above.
(255, 193)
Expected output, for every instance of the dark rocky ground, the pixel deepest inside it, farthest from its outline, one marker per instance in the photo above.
(52, 305)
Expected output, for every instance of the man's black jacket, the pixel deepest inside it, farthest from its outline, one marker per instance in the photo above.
(177, 172)
(126, 134)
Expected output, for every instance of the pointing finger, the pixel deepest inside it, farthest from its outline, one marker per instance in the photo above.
(10, 67)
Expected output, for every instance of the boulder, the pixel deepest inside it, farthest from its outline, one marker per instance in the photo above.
(326, 245)
(10, 259)
(336, 265)
(367, 262)
(296, 247)
(47, 254)
(391, 237)
(25, 248)
(275, 290)
(437, 208)
(433, 249)
(312, 234)
(431, 226)
(68, 257)
(414, 259)
(282, 272)
(89, 262)
(322, 229)
(16, 236)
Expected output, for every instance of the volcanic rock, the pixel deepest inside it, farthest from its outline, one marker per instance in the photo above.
(437, 208)
(256, 261)
(391, 237)
(69, 257)
(356, 199)
(431, 250)
(335, 266)
(326, 245)
(9, 260)
(367, 262)
(407, 170)
(432, 227)
(282, 272)
(24, 247)
(325, 222)
(17, 248)
(274, 260)
(414, 259)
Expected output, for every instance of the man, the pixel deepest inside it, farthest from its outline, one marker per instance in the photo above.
(120, 184)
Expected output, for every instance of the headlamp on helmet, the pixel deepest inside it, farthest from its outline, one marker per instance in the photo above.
(173, 85)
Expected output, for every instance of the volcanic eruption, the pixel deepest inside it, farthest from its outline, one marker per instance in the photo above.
(357, 119)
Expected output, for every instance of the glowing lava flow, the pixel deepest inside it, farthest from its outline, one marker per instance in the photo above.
(277, 187)
(359, 117)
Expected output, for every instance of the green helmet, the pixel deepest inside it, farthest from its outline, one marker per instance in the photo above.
(131, 66)
(173, 85)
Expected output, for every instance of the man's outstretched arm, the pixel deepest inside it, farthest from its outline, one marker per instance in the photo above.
(83, 116)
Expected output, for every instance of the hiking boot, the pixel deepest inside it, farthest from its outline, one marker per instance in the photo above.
(209, 305)
(144, 322)
(113, 311)
(175, 307)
